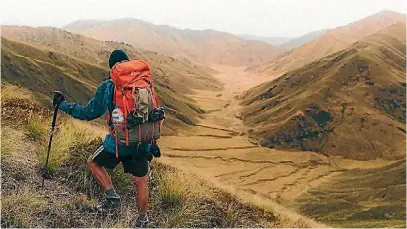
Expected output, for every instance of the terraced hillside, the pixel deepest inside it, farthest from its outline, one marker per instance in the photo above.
(350, 104)
(47, 59)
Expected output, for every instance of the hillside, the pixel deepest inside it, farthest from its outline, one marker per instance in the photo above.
(45, 59)
(350, 104)
(276, 41)
(328, 43)
(70, 195)
(297, 42)
(204, 47)
(361, 198)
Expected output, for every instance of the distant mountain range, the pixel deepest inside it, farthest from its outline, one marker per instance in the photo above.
(286, 43)
(199, 46)
(276, 41)
(297, 42)
(329, 42)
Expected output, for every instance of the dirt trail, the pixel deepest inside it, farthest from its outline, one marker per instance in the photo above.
(218, 150)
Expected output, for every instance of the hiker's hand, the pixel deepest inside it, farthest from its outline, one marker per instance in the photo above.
(58, 98)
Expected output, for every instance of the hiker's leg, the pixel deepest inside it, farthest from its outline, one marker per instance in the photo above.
(142, 193)
(138, 167)
(100, 174)
(97, 163)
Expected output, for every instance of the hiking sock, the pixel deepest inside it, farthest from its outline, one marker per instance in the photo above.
(143, 217)
(111, 193)
(142, 221)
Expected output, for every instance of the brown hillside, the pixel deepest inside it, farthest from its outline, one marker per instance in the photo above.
(70, 195)
(206, 46)
(46, 59)
(361, 198)
(349, 104)
(332, 41)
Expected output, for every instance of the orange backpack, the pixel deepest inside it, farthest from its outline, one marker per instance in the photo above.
(134, 94)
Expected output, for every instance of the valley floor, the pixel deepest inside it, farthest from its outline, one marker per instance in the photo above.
(218, 150)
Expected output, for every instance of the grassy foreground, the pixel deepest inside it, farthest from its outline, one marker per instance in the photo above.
(177, 199)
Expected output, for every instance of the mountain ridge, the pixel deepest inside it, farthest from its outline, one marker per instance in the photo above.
(298, 41)
(200, 46)
(334, 40)
(277, 41)
(46, 59)
(316, 106)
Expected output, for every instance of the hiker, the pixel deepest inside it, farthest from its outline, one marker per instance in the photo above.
(135, 122)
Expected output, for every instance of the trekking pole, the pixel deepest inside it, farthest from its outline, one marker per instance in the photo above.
(54, 118)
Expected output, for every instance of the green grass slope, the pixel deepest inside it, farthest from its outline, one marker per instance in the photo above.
(351, 103)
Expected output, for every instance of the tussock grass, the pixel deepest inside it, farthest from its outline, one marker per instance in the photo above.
(21, 210)
(171, 191)
(122, 182)
(36, 129)
(11, 92)
(75, 170)
(177, 199)
(6, 143)
(180, 199)
(70, 134)
(83, 204)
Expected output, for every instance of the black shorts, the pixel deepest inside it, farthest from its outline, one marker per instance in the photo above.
(136, 166)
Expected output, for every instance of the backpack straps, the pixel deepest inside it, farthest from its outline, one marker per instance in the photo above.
(126, 110)
(154, 97)
(117, 145)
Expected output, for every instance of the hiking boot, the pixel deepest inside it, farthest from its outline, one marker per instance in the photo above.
(109, 205)
(142, 221)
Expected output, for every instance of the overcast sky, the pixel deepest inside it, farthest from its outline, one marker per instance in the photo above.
(287, 18)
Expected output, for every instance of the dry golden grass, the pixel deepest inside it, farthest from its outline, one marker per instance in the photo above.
(40, 58)
(36, 129)
(347, 104)
(22, 209)
(6, 142)
(186, 200)
(372, 197)
(178, 199)
(9, 92)
(70, 133)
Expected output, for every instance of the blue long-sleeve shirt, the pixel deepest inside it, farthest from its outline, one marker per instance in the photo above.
(96, 107)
